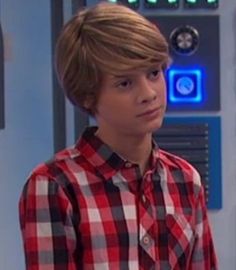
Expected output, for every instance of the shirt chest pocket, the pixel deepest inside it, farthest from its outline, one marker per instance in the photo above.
(180, 239)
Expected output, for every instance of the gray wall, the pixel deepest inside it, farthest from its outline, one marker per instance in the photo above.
(28, 136)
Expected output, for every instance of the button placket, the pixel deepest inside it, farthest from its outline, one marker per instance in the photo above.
(146, 188)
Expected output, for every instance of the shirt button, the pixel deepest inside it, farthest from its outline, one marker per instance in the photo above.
(128, 165)
(146, 240)
(143, 198)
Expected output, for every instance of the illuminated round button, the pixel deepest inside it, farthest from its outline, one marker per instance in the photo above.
(185, 85)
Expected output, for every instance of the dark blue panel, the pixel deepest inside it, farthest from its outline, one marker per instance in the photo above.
(204, 56)
(208, 141)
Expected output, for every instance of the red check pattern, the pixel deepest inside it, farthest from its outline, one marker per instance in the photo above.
(89, 209)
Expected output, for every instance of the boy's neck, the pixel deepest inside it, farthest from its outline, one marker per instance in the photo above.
(132, 148)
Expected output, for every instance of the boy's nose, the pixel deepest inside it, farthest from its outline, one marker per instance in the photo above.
(146, 92)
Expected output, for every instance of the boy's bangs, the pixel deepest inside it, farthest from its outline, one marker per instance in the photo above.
(119, 64)
(119, 60)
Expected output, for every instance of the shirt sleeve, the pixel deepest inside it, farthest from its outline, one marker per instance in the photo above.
(203, 256)
(47, 227)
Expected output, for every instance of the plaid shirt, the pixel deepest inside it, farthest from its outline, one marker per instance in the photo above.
(90, 209)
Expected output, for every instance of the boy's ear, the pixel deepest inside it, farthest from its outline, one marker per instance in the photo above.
(88, 102)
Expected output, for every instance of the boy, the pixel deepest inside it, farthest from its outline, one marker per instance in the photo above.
(115, 200)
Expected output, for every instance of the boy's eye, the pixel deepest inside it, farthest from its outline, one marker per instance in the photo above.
(154, 74)
(124, 84)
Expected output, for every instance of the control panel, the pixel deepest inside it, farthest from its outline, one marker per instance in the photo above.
(194, 77)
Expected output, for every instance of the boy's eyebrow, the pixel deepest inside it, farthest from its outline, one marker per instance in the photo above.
(120, 76)
(127, 74)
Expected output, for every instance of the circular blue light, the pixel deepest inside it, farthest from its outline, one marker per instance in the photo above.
(185, 85)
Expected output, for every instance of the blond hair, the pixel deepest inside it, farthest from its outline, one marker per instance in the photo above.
(105, 39)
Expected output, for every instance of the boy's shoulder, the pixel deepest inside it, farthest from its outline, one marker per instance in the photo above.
(56, 174)
(57, 164)
(175, 164)
(174, 160)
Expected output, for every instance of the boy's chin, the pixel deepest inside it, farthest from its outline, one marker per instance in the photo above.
(153, 128)
(156, 126)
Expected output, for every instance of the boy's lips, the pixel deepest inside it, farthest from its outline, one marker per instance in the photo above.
(148, 112)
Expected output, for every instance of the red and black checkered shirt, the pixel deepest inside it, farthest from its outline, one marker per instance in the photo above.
(87, 208)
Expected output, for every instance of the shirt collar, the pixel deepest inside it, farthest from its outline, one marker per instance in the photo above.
(107, 162)
(99, 154)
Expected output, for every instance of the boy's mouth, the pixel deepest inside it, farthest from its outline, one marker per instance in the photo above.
(149, 112)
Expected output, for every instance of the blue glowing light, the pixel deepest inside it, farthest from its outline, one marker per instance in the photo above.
(185, 85)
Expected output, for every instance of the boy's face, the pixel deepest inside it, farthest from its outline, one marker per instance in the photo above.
(132, 104)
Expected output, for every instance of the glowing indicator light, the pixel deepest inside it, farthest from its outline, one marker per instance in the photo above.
(172, 1)
(152, 1)
(185, 85)
(211, 1)
(112, 1)
(192, 1)
(132, 1)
